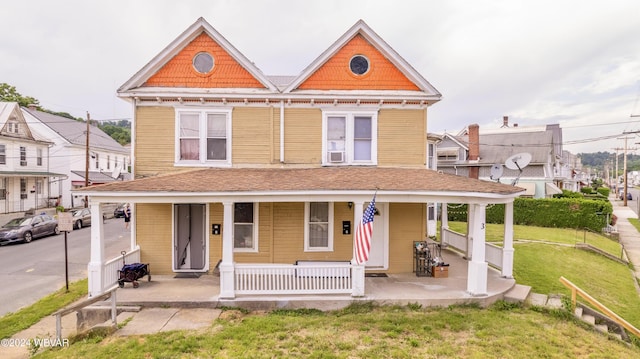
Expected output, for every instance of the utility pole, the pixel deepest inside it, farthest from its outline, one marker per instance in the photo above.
(616, 174)
(86, 163)
(624, 172)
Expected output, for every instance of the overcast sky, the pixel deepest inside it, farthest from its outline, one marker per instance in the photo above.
(576, 63)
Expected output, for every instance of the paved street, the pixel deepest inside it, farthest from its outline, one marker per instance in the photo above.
(30, 271)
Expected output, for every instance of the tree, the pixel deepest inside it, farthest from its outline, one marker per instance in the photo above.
(9, 93)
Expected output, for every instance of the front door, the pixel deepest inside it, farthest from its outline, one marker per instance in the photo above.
(189, 237)
(378, 254)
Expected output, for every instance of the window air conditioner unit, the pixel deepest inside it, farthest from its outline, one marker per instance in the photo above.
(336, 156)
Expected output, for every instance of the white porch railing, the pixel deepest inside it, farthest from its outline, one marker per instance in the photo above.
(111, 267)
(493, 253)
(455, 240)
(335, 278)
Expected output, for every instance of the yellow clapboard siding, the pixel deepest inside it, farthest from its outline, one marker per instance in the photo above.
(155, 140)
(251, 135)
(406, 224)
(303, 136)
(154, 236)
(402, 137)
(216, 212)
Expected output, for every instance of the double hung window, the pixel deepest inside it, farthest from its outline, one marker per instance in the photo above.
(23, 156)
(203, 137)
(245, 228)
(349, 138)
(318, 231)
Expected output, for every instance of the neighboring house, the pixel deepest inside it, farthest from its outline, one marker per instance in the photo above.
(474, 152)
(108, 160)
(25, 173)
(266, 178)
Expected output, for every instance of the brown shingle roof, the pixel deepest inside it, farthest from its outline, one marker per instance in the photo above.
(212, 180)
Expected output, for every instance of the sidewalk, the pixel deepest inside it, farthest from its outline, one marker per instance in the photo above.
(629, 236)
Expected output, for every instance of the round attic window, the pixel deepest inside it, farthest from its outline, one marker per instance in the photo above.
(359, 65)
(203, 62)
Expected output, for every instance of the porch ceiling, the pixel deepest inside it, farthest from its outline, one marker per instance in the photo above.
(306, 181)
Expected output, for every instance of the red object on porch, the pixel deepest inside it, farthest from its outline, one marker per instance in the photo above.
(364, 232)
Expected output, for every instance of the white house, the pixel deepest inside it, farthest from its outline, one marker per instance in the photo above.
(108, 160)
(25, 171)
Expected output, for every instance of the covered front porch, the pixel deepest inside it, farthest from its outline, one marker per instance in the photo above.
(281, 266)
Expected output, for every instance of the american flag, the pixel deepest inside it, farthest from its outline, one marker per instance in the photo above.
(364, 232)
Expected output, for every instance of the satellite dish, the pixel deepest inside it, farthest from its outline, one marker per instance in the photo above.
(518, 161)
(496, 171)
(116, 172)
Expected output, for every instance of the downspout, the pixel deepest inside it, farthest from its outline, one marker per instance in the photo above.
(281, 131)
(134, 241)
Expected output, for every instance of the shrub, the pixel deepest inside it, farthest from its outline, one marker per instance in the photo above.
(547, 212)
(604, 191)
(586, 190)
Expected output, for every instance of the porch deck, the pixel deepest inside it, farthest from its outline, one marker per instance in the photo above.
(401, 289)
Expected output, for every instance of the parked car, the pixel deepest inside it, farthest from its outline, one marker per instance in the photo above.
(27, 228)
(119, 211)
(81, 218)
(629, 197)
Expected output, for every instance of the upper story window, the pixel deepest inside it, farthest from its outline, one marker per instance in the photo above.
(318, 230)
(39, 157)
(203, 137)
(23, 156)
(97, 155)
(12, 127)
(359, 65)
(3, 155)
(349, 138)
(108, 162)
(432, 162)
(447, 154)
(245, 228)
(203, 62)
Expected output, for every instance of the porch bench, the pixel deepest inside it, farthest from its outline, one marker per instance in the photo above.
(320, 268)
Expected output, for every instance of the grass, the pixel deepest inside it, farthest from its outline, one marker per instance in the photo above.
(24, 318)
(548, 254)
(635, 222)
(368, 331)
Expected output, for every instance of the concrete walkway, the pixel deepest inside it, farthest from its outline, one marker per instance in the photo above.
(629, 236)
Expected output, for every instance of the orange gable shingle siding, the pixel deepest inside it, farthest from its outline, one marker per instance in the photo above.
(179, 71)
(336, 75)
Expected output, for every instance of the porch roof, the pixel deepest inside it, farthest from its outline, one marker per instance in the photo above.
(300, 181)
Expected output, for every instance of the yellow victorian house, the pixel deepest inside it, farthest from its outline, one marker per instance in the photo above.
(266, 177)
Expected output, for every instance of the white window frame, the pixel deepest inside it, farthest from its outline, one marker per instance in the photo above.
(255, 247)
(23, 156)
(39, 156)
(202, 121)
(307, 245)
(3, 154)
(349, 140)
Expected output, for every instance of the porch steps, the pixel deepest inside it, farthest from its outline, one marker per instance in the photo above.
(593, 318)
(517, 294)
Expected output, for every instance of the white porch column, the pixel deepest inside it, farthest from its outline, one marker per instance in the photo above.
(470, 223)
(357, 273)
(477, 273)
(507, 245)
(444, 224)
(95, 267)
(227, 274)
(132, 229)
